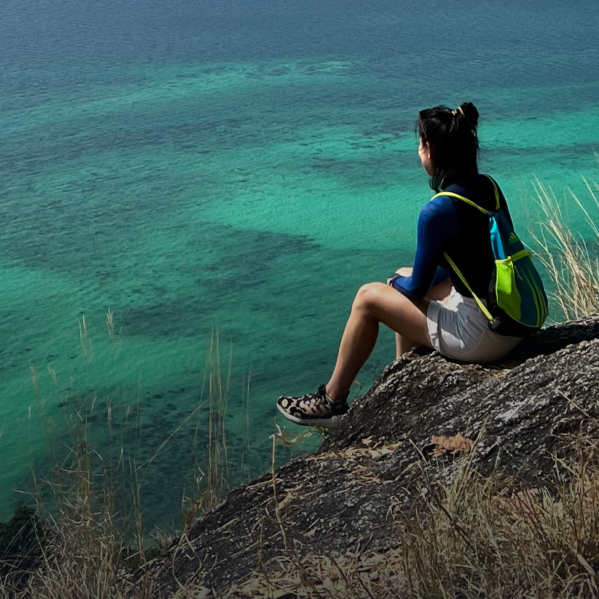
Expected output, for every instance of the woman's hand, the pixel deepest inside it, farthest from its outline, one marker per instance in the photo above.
(405, 271)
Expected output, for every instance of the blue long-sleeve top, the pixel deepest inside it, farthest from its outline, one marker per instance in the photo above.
(450, 225)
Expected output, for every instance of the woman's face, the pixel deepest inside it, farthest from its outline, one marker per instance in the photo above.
(424, 152)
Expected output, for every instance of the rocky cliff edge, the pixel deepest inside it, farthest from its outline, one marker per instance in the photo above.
(520, 413)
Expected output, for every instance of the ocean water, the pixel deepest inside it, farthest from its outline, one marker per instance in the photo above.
(240, 168)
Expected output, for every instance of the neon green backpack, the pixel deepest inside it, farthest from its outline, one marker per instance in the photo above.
(516, 303)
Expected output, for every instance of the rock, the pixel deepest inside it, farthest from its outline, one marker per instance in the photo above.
(520, 411)
(21, 545)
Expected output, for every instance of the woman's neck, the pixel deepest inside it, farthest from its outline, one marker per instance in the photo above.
(452, 177)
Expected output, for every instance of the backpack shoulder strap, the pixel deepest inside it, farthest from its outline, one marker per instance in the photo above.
(470, 202)
(459, 197)
(463, 279)
(496, 190)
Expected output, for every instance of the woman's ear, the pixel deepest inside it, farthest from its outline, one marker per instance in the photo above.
(430, 151)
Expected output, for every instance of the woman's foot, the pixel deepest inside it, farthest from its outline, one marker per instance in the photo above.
(313, 409)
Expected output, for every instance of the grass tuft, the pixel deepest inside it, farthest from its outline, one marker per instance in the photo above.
(571, 264)
(87, 533)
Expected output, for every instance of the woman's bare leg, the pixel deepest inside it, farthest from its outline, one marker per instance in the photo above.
(375, 303)
(438, 292)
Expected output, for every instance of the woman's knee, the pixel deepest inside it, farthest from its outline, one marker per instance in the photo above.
(369, 296)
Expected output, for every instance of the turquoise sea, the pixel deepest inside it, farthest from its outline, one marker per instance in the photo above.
(240, 167)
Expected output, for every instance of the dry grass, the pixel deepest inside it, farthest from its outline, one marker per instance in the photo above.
(212, 473)
(86, 547)
(92, 503)
(572, 268)
(84, 559)
(483, 541)
(476, 538)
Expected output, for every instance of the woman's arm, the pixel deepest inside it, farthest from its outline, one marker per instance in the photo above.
(437, 224)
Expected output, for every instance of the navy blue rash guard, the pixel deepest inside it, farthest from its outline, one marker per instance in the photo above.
(450, 225)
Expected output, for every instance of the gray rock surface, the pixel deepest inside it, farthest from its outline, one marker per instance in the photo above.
(521, 411)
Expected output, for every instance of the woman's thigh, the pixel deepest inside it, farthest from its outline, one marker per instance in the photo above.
(396, 311)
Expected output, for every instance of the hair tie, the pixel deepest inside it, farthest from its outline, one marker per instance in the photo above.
(458, 109)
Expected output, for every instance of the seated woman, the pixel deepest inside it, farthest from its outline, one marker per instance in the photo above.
(428, 304)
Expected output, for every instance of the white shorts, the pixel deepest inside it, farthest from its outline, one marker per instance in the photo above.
(460, 330)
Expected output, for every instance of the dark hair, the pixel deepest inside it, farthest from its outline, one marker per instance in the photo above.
(453, 139)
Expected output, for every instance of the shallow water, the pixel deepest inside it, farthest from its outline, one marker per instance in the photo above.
(245, 168)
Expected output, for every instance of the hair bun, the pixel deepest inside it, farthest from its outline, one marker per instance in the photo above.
(470, 113)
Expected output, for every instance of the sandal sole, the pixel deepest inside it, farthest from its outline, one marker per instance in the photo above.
(332, 422)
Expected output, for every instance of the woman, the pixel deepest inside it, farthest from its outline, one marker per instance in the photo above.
(428, 304)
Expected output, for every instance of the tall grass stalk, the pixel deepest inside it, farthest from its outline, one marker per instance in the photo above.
(212, 475)
(218, 395)
(573, 270)
(245, 463)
